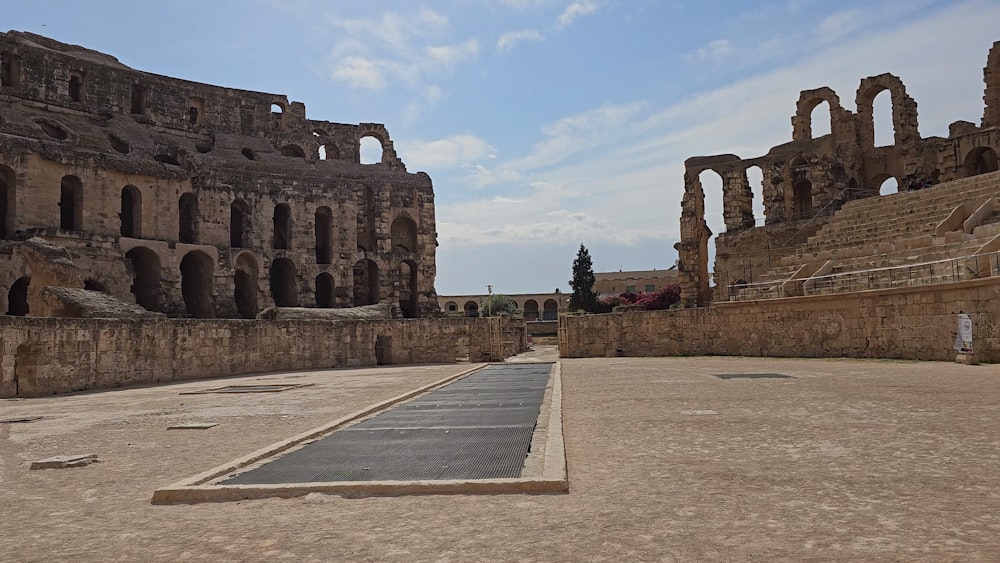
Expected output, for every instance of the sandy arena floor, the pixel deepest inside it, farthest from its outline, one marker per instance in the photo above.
(850, 460)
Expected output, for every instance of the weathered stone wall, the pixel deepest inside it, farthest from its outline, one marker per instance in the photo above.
(907, 323)
(145, 177)
(49, 355)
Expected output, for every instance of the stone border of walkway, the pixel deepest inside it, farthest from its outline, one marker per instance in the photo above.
(551, 477)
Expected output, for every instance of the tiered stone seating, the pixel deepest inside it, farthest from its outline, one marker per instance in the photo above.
(909, 238)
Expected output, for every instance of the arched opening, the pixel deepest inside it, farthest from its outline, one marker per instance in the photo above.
(980, 161)
(187, 213)
(324, 235)
(293, 151)
(7, 178)
(248, 154)
(239, 224)
(118, 144)
(166, 159)
(17, 297)
(283, 287)
(71, 204)
(131, 212)
(451, 307)
(321, 152)
(366, 221)
(196, 285)
(802, 203)
(145, 268)
(370, 150)
(94, 285)
(282, 226)
(820, 118)
(324, 291)
(330, 152)
(471, 309)
(404, 235)
(531, 310)
(711, 186)
(138, 99)
(550, 310)
(887, 185)
(408, 289)
(885, 134)
(245, 286)
(367, 290)
(755, 180)
(277, 117)
(75, 88)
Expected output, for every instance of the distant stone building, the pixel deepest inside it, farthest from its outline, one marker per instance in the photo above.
(198, 200)
(637, 281)
(533, 306)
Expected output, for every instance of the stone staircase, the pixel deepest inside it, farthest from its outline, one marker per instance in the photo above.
(910, 238)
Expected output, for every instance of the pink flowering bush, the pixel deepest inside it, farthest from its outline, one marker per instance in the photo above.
(650, 301)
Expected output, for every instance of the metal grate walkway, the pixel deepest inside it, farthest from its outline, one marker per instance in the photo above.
(478, 427)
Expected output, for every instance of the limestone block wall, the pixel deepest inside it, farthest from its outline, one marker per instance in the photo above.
(905, 323)
(42, 356)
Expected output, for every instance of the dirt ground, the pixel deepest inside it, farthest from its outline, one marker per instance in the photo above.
(847, 460)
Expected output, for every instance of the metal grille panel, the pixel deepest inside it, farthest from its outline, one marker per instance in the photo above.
(479, 427)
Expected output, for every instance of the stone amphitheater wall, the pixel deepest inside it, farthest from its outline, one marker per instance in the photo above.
(914, 323)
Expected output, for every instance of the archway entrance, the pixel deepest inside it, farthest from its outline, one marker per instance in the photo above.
(366, 283)
(17, 297)
(145, 267)
(324, 291)
(980, 161)
(245, 287)
(408, 289)
(196, 285)
(282, 277)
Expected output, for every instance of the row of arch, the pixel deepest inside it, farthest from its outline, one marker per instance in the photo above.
(197, 279)
(403, 230)
(549, 310)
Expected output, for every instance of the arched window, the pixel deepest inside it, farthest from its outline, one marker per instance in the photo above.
(75, 87)
(131, 212)
(367, 289)
(144, 265)
(324, 235)
(283, 286)
(7, 225)
(802, 203)
(550, 310)
(471, 309)
(293, 151)
(370, 150)
(282, 227)
(531, 310)
(277, 117)
(196, 285)
(71, 204)
(324, 291)
(245, 286)
(755, 181)
(451, 306)
(403, 233)
(980, 160)
(888, 186)
(408, 289)
(187, 207)
(17, 297)
(885, 134)
(820, 118)
(239, 224)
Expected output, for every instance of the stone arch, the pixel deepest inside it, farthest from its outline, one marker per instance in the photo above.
(980, 160)
(550, 310)
(530, 310)
(277, 116)
(239, 224)
(887, 184)
(283, 284)
(330, 151)
(187, 214)
(324, 291)
(245, 285)
(753, 175)
(196, 284)
(7, 201)
(130, 215)
(371, 149)
(323, 227)
(144, 266)
(282, 224)
(407, 289)
(904, 110)
(403, 233)
(802, 199)
(71, 204)
(451, 307)
(17, 297)
(367, 289)
(809, 100)
(471, 308)
(293, 151)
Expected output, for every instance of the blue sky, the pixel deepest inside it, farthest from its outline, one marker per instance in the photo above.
(550, 123)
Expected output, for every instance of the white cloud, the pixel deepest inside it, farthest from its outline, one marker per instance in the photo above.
(449, 55)
(450, 152)
(359, 73)
(715, 51)
(574, 11)
(508, 40)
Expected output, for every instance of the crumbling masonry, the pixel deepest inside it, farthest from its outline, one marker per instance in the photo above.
(808, 179)
(196, 200)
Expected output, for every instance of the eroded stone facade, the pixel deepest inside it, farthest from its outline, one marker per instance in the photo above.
(808, 179)
(197, 200)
